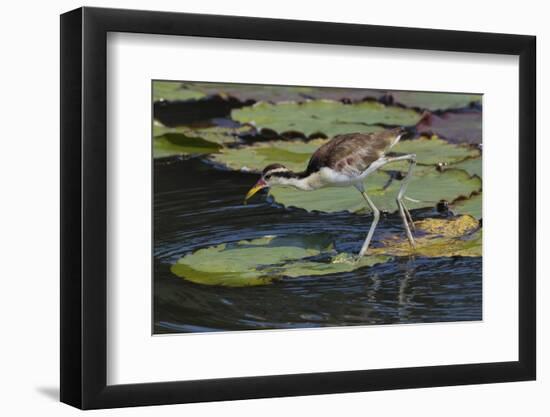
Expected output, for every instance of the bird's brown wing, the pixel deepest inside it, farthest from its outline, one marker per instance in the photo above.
(351, 153)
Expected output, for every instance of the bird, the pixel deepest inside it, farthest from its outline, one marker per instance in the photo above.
(347, 160)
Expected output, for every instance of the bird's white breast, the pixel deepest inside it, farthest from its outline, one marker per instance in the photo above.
(328, 177)
(332, 178)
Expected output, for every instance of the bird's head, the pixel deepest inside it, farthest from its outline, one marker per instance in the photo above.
(273, 174)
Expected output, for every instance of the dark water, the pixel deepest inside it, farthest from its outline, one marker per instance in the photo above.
(196, 206)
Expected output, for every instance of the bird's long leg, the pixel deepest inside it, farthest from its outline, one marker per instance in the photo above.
(409, 217)
(402, 209)
(405, 215)
(390, 181)
(376, 214)
(403, 212)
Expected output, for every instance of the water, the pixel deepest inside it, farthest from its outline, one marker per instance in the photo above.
(197, 206)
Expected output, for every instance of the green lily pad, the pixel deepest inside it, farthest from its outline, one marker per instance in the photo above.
(264, 260)
(215, 134)
(172, 144)
(427, 186)
(434, 101)
(459, 236)
(339, 93)
(174, 91)
(294, 155)
(278, 93)
(472, 206)
(256, 92)
(324, 116)
(471, 166)
(431, 151)
(336, 264)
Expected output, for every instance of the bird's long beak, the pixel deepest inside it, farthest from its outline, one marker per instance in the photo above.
(257, 187)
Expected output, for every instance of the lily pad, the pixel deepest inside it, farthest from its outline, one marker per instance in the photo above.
(460, 236)
(172, 144)
(174, 91)
(294, 155)
(215, 134)
(336, 264)
(345, 94)
(428, 187)
(256, 92)
(472, 206)
(324, 116)
(434, 101)
(432, 151)
(278, 93)
(471, 166)
(454, 227)
(264, 260)
(454, 127)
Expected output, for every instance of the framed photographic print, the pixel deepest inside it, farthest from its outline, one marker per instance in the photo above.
(257, 208)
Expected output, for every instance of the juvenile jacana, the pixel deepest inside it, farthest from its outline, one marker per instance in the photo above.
(343, 161)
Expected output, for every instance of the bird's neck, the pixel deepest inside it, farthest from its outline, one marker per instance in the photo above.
(299, 180)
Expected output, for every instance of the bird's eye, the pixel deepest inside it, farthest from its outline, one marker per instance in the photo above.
(267, 176)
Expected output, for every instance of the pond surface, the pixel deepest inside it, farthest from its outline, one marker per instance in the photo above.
(198, 206)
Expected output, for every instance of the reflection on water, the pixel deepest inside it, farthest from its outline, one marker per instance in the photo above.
(196, 206)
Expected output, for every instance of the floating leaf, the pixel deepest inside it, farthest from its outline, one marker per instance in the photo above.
(460, 236)
(294, 155)
(428, 186)
(261, 261)
(337, 264)
(432, 151)
(171, 144)
(434, 101)
(349, 94)
(454, 227)
(277, 93)
(215, 134)
(472, 206)
(159, 129)
(455, 127)
(324, 116)
(174, 91)
(471, 166)
(256, 92)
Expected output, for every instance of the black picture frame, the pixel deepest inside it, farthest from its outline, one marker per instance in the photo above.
(84, 207)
